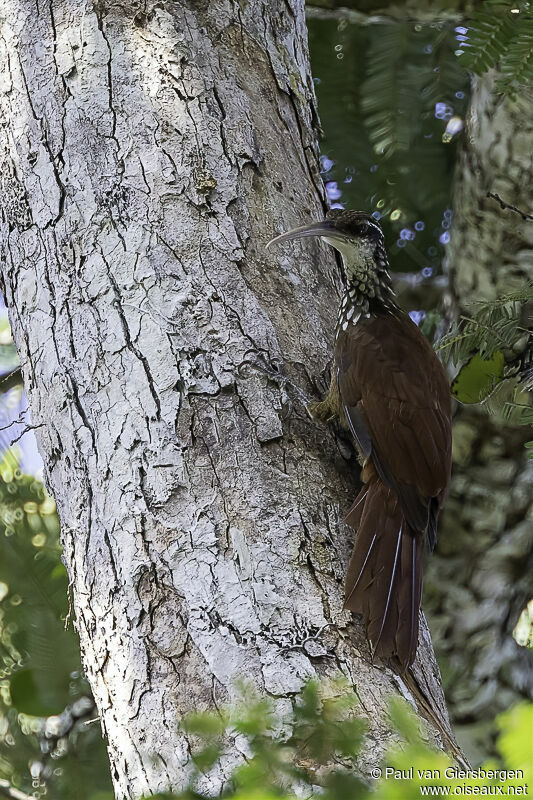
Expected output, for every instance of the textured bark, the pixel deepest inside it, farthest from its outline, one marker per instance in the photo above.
(481, 577)
(147, 156)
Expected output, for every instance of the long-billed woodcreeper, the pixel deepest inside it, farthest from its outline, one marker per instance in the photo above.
(390, 390)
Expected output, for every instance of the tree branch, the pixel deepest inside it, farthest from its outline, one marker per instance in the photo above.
(504, 205)
(368, 14)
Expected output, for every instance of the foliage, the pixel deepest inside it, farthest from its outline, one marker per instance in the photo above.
(478, 378)
(494, 325)
(44, 700)
(283, 751)
(500, 35)
(313, 751)
(494, 346)
(389, 91)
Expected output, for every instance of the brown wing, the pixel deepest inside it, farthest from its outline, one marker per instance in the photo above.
(393, 387)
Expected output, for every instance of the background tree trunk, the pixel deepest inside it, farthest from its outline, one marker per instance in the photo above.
(148, 153)
(481, 578)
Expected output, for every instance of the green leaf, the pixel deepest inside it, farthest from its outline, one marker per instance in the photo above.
(262, 794)
(404, 720)
(344, 786)
(387, 101)
(31, 693)
(205, 758)
(489, 36)
(516, 64)
(206, 725)
(518, 413)
(501, 38)
(515, 742)
(478, 378)
(255, 719)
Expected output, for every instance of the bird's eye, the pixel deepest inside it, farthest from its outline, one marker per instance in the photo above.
(363, 229)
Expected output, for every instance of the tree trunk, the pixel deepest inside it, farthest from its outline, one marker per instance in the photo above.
(480, 578)
(148, 154)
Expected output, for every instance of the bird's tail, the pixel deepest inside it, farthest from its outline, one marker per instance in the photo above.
(384, 580)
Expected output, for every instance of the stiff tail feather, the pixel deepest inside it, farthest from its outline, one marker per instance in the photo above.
(384, 579)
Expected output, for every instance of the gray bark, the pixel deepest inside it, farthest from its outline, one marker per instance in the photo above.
(147, 155)
(480, 578)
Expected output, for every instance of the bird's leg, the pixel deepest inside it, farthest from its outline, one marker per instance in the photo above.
(328, 408)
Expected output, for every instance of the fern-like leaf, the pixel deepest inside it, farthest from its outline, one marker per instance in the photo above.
(493, 325)
(385, 96)
(475, 340)
(489, 36)
(501, 36)
(516, 63)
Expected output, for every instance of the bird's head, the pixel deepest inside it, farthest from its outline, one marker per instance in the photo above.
(355, 234)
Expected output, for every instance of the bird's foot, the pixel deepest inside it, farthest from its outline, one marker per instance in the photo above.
(321, 411)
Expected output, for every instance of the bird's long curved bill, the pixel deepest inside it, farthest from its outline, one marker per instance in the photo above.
(314, 229)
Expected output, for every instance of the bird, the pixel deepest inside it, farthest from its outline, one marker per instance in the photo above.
(389, 389)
